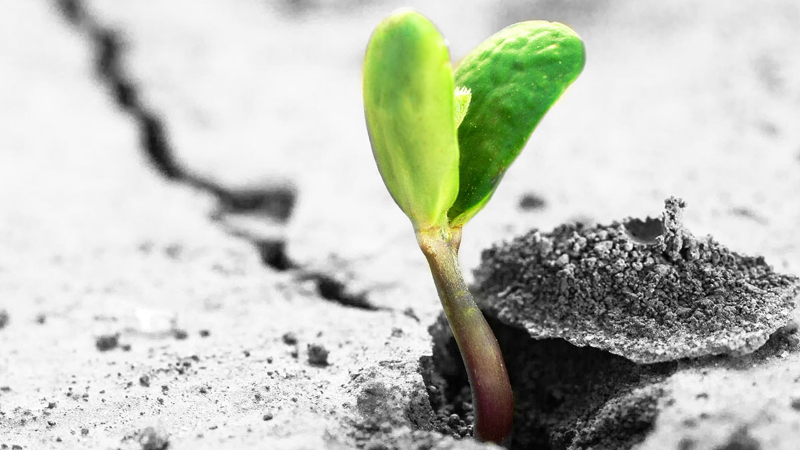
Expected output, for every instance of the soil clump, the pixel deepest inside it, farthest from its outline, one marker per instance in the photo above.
(647, 290)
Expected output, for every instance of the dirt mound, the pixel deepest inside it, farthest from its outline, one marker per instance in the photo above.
(647, 290)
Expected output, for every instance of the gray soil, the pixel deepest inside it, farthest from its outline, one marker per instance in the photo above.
(197, 252)
(647, 290)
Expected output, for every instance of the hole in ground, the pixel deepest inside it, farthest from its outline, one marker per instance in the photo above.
(645, 231)
(566, 396)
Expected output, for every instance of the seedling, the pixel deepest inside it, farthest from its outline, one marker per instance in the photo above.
(442, 141)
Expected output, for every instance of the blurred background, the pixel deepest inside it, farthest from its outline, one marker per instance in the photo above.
(687, 98)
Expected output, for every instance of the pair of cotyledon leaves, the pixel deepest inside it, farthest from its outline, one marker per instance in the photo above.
(441, 165)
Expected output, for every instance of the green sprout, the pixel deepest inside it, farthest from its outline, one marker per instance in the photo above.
(442, 141)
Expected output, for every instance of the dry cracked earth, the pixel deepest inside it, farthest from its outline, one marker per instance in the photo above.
(196, 250)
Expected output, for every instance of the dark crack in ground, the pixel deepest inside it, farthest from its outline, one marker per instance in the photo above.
(272, 203)
(109, 47)
(644, 289)
(336, 291)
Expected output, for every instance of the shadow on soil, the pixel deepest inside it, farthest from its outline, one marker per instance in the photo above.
(569, 397)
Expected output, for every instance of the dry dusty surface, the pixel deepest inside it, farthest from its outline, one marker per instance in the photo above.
(196, 250)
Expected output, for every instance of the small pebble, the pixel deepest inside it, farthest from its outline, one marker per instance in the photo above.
(107, 342)
(289, 338)
(151, 439)
(453, 420)
(531, 201)
(180, 334)
(317, 355)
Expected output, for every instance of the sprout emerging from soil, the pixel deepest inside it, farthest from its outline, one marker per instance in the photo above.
(442, 141)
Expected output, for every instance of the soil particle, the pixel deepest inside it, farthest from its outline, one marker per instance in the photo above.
(3, 318)
(622, 422)
(205, 333)
(144, 380)
(180, 334)
(644, 289)
(531, 201)
(317, 355)
(107, 342)
(151, 439)
(289, 338)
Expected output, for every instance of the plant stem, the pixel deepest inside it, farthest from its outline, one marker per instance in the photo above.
(492, 399)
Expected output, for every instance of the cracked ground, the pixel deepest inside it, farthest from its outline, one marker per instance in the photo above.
(191, 216)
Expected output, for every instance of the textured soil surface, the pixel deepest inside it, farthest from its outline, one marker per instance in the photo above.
(196, 250)
(647, 290)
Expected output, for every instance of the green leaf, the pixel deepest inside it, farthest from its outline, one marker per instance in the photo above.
(515, 76)
(410, 110)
